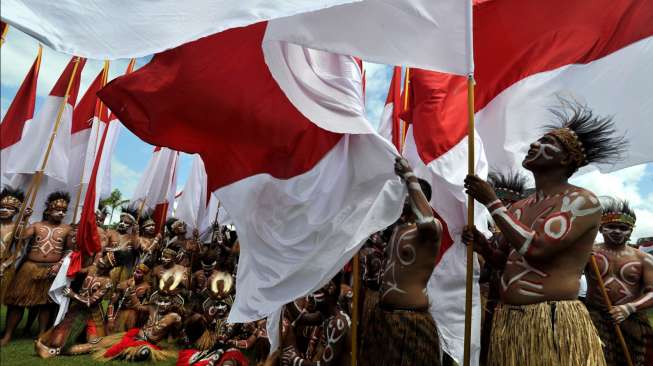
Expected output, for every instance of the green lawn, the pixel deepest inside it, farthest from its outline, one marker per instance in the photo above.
(21, 352)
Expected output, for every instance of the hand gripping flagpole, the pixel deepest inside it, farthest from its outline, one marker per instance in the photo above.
(469, 281)
(608, 303)
(4, 33)
(36, 180)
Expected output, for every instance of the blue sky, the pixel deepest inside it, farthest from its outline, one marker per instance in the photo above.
(132, 154)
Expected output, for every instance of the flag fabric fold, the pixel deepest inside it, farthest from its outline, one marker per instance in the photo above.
(437, 147)
(301, 172)
(192, 204)
(63, 25)
(390, 126)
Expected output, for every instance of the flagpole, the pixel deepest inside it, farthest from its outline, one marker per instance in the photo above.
(36, 180)
(402, 124)
(608, 303)
(98, 112)
(354, 312)
(469, 281)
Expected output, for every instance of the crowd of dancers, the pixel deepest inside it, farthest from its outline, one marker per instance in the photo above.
(160, 293)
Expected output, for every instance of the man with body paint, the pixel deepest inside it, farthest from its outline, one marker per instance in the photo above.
(550, 235)
(627, 274)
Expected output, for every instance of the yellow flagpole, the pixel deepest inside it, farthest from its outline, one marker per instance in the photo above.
(355, 306)
(402, 123)
(98, 112)
(4, 33)
(470, 221)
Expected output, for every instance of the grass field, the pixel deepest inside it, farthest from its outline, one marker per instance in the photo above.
(20, 352)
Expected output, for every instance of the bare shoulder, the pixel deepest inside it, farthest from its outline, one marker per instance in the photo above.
(644, 257)
(581, 198)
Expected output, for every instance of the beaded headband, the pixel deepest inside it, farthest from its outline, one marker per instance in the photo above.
(60, 203)
(506, 194)
(169, 252)
(569, 139)
(10, 201)
(619, 217)
(148, 222)
(144, 268)
(128, 215)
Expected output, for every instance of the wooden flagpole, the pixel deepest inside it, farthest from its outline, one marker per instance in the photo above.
(608, 303)
(98, 112)
(470, 221)
(355, 306)
(36, 180)
(402, 124)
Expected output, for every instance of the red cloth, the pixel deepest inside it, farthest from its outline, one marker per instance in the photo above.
(75, 263)
(231, 355)
(128, 340)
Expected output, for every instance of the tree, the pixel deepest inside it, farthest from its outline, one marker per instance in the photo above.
(114, 200)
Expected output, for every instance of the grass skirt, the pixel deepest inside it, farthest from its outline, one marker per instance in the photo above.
(637, 333)
(400, 338)
(126, 346)
(30, 285)
(554, 333)
(6, 279)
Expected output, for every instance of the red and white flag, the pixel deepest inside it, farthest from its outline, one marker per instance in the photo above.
(324, 24)
(192, 204)
(437, 147)
(300, 170)
(531, 52)
(27, 155)
(390, 126)
(20, 112)
(157, 186)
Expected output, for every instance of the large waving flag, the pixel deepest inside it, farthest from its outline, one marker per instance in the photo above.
(300, 170)
(19, 113)
(156, 188)
(437, 147)
(64, 24)
(390, 126)
(531, 52)
(27, 155)
(192, 204)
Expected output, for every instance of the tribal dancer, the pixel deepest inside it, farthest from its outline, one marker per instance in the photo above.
(509, 188)
(200, 280)
(540, 321)
(149, 240)
(86, 304)
(336, 330)
(186, 249)
(127, 234)
(128, 296)
(169, 270)
(628, 277)
(10, 202)
(31, 283)
(371, 257)
(108, 238)
(402, 331)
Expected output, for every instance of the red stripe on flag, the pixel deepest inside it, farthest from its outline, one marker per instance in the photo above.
(21, 109)
(85, 109)
(59, 89)
(514, 39)
(235, 115)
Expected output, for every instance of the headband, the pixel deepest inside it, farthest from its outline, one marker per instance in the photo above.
(569, 139)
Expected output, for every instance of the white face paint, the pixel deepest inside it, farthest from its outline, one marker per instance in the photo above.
(616, 234)
(6, 212)
(544, 150)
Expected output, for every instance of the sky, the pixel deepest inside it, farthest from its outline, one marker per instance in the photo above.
(132, 155)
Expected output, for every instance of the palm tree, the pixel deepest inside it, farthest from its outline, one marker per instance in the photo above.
(114, 200)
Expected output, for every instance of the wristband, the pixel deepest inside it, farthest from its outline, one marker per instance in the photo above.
(408, 175)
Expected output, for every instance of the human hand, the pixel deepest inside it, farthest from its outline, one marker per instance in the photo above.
(480, 190)
(403, 169)
(620, 313)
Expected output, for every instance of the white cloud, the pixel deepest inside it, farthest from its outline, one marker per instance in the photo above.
(624, 184)
(377, 82)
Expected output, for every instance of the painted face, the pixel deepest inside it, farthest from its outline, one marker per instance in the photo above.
(149, 229)
(7, 212)
(166, 259)
(56, 214)
(616, 233)
(99, 217)
(138, 274)
(163, 305)
(124, 224)
(179, 227)
(545, 152)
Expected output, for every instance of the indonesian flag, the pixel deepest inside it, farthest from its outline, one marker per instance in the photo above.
(445, 24)
(530, 52)
(156, 188)
(27, 155)
(287, 150)
(390, 126)
(20, 112)
(437, 147)
(192, 204)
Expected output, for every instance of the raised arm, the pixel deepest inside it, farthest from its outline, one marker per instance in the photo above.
(94, 297)
(419, 204)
